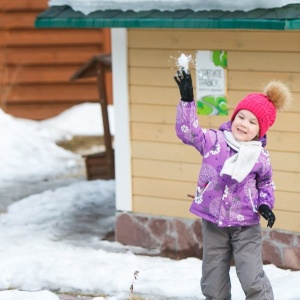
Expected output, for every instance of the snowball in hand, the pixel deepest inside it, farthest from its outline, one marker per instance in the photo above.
(183, 61)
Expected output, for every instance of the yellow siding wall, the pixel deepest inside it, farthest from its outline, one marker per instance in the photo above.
(164, 170)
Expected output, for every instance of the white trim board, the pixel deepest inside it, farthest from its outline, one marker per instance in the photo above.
(122, 119)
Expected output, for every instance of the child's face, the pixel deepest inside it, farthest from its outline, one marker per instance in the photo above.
(245, 126)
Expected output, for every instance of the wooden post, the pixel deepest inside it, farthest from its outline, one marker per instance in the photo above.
(100, 165)
(100, 73)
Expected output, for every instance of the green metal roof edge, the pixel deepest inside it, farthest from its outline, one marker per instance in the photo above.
(285, 18)
(292, 25)
(166, 23)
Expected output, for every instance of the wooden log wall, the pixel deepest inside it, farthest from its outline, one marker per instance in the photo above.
(36, 64)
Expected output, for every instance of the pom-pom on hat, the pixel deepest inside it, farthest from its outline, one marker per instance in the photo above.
(276, 96)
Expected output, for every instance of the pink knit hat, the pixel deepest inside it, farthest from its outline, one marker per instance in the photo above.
(276, 96)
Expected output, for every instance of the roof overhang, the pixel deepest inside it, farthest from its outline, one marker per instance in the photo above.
(283, 18)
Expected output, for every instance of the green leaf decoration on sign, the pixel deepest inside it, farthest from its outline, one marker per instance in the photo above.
(212, 105)
(219, 58)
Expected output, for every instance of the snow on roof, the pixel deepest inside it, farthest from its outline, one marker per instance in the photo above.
(88, 6)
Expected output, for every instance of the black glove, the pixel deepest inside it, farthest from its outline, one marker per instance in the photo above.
(184, 82)
(267, 213)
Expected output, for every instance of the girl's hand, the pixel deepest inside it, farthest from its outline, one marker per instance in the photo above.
(267, 213)
(184, 82)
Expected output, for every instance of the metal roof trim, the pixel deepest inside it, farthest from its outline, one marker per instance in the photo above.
(264, 19)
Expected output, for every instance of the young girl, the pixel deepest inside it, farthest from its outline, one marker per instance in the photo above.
(234, 188)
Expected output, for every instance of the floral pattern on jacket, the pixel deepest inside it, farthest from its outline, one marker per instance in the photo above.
(221, 199)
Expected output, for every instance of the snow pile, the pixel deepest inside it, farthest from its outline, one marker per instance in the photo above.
(28, 148)
(25, 153)
(81, 119)
(76, 213)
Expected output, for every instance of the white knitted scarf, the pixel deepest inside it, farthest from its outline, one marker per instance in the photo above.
(240, 164)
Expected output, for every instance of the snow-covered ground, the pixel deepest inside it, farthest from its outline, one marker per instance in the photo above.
(51, 241)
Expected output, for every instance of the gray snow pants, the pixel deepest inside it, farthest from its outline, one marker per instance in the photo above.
(244, 243)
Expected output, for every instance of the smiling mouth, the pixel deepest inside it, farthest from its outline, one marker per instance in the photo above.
(241, 131)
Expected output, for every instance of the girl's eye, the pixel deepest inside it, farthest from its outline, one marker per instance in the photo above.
(241, 117)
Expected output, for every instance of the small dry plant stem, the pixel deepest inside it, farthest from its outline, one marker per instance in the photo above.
(135, 277)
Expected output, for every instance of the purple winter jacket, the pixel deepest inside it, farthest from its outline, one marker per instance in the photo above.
(221, 199)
